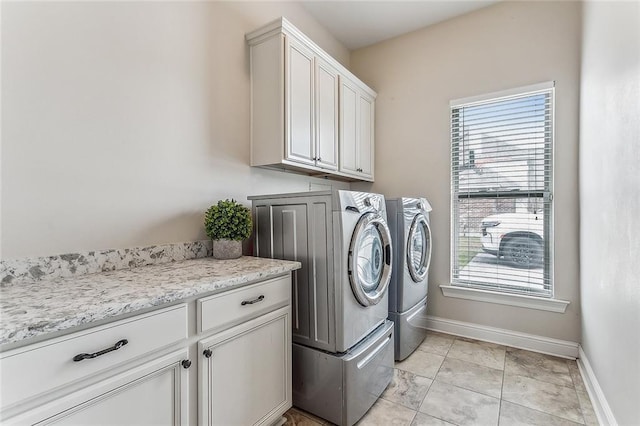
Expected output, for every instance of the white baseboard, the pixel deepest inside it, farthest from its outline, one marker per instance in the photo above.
(531, 342)
(598, 400)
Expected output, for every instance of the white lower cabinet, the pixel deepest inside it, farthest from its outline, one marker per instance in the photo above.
(245, 372)
(155, 393)
(136, 371)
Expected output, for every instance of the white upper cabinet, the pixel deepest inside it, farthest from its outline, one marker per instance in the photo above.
(297, 117)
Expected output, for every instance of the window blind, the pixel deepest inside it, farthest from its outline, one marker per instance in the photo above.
(502, 171)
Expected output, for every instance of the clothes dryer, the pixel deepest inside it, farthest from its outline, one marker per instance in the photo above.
(343, 344)
(408, 220)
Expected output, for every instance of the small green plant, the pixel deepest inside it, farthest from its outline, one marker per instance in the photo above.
(228, 220)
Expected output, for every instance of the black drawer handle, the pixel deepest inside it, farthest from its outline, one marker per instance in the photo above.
(118, 345)
(251, 302)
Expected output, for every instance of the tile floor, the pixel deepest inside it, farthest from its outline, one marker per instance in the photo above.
(452, 380)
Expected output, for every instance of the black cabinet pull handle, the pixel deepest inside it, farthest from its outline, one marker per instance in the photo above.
(207, 353)
(251, 302)
(186, 363)
(118, 345)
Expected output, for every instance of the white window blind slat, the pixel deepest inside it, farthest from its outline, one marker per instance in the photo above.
(501, 164)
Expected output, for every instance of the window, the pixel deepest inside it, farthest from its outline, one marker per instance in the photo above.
(502, 169)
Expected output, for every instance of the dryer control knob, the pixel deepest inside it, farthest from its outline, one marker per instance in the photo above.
(420, 206)
(367, 202)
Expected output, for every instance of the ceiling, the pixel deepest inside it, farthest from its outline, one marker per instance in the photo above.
(360, 23)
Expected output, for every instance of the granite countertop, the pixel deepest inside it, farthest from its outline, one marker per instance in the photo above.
(30, 310)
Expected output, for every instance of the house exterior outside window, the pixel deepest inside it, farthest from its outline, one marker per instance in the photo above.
(501, 188)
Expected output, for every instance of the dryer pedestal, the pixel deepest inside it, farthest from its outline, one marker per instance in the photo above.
(342, 387)
(409, 329)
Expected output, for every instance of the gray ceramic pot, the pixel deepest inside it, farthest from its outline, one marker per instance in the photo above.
(227, 249)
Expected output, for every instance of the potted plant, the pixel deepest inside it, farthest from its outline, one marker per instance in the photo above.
(228, 223)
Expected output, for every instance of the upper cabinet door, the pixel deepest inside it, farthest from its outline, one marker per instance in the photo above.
(326, 115)
(365, 135)
(300, 143)
(348, 128)
(356, 131)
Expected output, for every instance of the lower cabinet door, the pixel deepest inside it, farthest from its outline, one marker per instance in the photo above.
(155, 393)
(245, 372)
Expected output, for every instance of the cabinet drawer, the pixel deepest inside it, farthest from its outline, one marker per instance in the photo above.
(231, 307)
(36, 369)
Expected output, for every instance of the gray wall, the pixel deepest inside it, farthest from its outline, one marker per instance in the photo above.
(123, 121)
(503, 46)
(610, 202)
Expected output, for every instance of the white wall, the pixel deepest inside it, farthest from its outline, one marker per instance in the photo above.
(610, 202)
(122, 122)
(503, 46)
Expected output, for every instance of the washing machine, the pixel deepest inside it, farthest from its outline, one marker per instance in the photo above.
(339, 321)
(408, 220)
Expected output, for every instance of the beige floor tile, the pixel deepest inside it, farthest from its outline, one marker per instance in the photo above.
(517, 415)
(422, 363)
(471, 376)
(547, 397)
(422, 419)
(537, 366)
(437, 343)
(460, 406)
(574, 371)
(407, 389)
(387, 413)
(590, 418)
(483, 353)
(295, 417)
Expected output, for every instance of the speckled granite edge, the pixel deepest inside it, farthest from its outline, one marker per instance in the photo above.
(33, 310)
(34, 269)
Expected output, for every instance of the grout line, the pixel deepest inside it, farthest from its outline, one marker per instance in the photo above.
(504, 368)
(544, 412)
(575, 388)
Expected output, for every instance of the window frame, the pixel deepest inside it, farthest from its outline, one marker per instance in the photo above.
(497, 293)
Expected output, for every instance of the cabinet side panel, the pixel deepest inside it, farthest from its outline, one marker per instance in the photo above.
(267, 101)
(290, 243)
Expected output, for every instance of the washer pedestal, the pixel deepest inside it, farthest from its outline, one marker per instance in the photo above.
(409, 329)
(342, 387)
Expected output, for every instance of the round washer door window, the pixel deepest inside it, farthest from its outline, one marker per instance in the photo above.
(370, 259)
(419, 248)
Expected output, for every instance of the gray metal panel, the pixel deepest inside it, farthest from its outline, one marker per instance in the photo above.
(408, 330)
(342, 388)
(323, 319)
(406, 292)
(396, 228)
(263, 232)
(367, 373)
(299, 228)
(290, 243)
(317, 382)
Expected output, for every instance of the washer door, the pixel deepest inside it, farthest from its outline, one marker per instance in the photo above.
(370, 259)
(419, 248)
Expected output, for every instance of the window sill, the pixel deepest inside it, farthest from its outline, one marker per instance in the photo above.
(531, 302)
